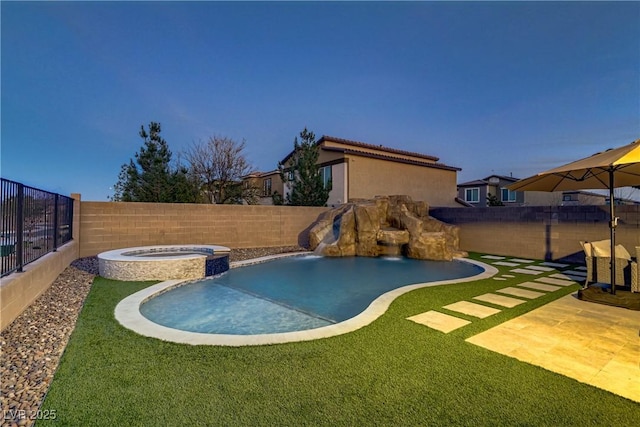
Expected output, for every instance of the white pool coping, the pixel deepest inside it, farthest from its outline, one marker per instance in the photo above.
(127, 312)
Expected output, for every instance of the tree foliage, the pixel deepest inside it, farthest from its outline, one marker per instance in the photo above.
(302, 174)
(219, 164)
(492, 200)
(152, 178)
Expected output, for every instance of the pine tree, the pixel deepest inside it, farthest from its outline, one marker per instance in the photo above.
(151, 178)
(303, 175)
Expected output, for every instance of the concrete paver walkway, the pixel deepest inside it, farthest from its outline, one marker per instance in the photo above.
(439, 321)
(539, 286)
(472, 309)
(518, 292)
(501, 300)
(592, 343)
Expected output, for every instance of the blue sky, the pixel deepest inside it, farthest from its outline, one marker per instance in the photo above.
(490, 87)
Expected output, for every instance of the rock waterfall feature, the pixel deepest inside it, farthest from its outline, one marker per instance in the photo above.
(385, 225)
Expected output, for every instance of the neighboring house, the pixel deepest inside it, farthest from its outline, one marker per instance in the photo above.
(358, 170)
(267, 183)
(476, 193)
(570, 198)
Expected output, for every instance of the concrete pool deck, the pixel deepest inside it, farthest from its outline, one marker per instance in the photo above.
(592, 343)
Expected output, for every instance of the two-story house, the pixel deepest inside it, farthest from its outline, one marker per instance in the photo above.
(358, 170)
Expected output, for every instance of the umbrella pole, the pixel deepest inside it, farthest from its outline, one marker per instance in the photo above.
(612, 227)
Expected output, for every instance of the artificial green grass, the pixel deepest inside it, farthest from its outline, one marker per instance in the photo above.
(392, 372)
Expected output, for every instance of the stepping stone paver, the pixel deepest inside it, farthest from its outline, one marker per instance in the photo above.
(499, 300)
(472, 309)
(539, 286)
(528, 261)
(554, 264)
(567, 276)
(505, 263)
(524, 293)
(439, 321)
(508, 275)
(539, 267)
(526, 271)
(499, 278)
(492, 257)
(554, 281)
(577, 273)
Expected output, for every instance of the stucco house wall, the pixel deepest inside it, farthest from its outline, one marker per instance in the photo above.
(360, 170)
(369, 177)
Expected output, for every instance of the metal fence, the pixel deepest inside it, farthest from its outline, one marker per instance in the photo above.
(34, 223)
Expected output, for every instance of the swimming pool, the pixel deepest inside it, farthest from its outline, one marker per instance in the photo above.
(289, 299)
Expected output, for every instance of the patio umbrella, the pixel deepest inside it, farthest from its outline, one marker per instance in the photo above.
(618, 167)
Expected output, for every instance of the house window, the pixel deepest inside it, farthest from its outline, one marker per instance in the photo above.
(266, 187)
(508, 195)
(472, 195)
(566, 198)
(290, 175)
(325, 173)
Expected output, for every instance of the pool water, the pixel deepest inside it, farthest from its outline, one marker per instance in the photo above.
(292, 294)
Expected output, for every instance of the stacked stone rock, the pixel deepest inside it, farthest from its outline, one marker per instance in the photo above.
(385, 225)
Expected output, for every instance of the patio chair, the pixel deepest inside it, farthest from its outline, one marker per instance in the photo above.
(598, 261)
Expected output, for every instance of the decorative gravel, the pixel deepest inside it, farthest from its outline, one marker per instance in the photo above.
(31, 346)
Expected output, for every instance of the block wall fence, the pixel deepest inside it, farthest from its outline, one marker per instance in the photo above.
(113, 225)
(540, 232)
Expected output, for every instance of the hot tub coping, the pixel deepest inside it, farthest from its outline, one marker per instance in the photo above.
(125, 254)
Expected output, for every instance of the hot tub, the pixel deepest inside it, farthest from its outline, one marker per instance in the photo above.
(164, 262)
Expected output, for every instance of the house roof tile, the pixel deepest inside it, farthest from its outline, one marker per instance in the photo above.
(386, 153)
(376, 147)
(475, 182)
(503, 177)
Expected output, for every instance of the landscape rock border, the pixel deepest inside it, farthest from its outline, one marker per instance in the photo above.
(32, 345)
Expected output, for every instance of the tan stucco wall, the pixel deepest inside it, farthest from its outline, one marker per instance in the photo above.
(113, 225)
(339, 192)
(276, 183)
(372, 177)
(329, 156)
(542, 198)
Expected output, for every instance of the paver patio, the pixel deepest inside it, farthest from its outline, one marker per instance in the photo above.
(592, 343)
